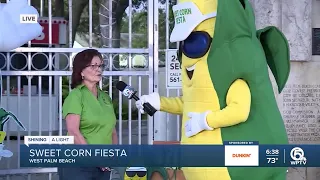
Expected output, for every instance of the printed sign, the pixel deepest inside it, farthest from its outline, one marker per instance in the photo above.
(44, 37)
(173, 70)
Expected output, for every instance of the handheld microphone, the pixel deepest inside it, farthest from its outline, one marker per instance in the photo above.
(130, 93)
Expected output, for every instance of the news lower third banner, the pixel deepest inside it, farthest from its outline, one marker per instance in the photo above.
(236, 154)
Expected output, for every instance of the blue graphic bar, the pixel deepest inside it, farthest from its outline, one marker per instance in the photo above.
(170, 155)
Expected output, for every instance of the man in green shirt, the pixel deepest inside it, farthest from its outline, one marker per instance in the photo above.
(89, 113)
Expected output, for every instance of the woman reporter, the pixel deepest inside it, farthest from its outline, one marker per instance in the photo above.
(88, 112)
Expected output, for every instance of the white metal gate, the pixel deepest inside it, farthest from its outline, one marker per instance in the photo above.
(35, 78)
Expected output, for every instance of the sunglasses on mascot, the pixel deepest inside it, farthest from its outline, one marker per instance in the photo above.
(138, 173)
(195, 46)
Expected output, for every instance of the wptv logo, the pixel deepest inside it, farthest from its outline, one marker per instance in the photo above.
(128, 92)
(297, 155)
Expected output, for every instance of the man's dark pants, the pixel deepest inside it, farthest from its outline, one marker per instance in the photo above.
(83, 173)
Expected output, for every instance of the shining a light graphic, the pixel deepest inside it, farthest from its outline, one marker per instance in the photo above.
(4, 117)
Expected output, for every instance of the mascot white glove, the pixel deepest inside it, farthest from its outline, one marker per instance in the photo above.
(13, 33)
(196, 123)
(153, 99)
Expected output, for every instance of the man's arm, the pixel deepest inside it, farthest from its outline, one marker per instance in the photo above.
(237, 109)
(173, 105)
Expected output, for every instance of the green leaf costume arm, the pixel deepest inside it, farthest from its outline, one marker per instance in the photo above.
(276, 49)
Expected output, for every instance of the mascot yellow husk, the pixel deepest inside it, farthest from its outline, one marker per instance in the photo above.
(227, 93)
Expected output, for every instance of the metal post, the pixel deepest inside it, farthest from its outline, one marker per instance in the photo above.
(130, 77)
(50, 69)
(161, 118)
(151, 60)
(90, 24)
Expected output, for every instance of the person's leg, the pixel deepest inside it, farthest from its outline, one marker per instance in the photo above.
(60, 173)
(101, 175)
(157, 173)
(118, 172)
(76, 173)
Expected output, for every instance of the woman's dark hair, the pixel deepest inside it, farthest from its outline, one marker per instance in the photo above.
(81, 61)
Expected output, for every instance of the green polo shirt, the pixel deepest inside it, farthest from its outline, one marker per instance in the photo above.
(97, 117)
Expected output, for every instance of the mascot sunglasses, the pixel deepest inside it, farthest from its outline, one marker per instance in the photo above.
(195, 46)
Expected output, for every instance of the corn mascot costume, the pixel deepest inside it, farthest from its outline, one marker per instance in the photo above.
(227, 93)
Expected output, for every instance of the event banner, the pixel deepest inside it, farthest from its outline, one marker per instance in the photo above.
(246, 153)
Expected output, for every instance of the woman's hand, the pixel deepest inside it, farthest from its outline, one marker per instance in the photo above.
(114, 137)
